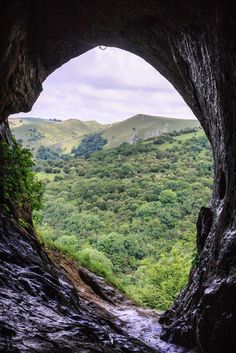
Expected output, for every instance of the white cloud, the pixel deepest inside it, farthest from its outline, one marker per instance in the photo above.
(108, 86)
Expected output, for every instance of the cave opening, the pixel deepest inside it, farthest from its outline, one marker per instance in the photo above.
(193, 45)
(96, 209)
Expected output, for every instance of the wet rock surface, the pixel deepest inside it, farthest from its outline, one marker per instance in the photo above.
(204, 224)
(191, 43)
(40, 310)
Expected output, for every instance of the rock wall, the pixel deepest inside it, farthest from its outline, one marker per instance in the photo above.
(192, 43)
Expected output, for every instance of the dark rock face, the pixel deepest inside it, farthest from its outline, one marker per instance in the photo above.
(193, 44)
(99, 286)
(204, 224)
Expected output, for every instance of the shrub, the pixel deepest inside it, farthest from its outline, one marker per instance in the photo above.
(95, 261)
(18, 183)
(89, 145)
(58, 178)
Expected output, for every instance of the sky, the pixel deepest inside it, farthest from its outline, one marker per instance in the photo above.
(107, 85)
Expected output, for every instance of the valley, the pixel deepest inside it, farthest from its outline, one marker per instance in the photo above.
(96, 212)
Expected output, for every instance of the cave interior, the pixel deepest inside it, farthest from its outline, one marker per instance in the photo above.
(193, 45)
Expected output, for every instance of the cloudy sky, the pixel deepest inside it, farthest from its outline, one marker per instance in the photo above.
(108, 85)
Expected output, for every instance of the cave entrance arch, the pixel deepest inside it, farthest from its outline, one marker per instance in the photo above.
(109, 85)
(192, 45)
(103, 65)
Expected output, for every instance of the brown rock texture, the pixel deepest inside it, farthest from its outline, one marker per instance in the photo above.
(193, 44)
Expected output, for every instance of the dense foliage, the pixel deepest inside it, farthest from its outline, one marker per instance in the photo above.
(47, 154)
(129, 213)
(18, 182)
(89, 144)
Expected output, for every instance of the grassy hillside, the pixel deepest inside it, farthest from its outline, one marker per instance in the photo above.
(36, 132)
(64, 135)
(129, 213)
(143, 127)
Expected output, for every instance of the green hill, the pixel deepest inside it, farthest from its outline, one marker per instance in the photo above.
(64, 135)
(142, 127)
(36, 132)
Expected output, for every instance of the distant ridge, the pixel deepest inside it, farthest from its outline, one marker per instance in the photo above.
(143, 126)
(65, 134)
(36, 132)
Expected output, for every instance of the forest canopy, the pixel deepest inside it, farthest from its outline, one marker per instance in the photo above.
(129, 213)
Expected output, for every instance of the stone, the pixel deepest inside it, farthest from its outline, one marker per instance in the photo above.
(204, 224)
